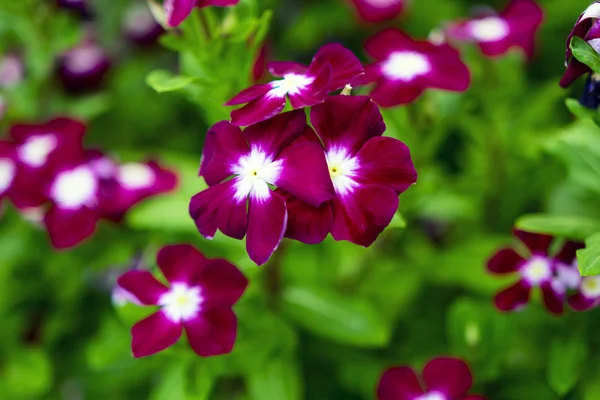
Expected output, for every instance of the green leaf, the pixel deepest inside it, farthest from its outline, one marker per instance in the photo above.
(588, 259)
(279, 379)
(585, 53)
(164, 81)
(580, 111)
(27, 374)
(567, 226)
(347, 320)
(564, 364)
(173, 382)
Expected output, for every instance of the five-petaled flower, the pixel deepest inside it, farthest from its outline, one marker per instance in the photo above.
(404, 68)
(587, 27)
(332, 68)
(368, 172)
(257, 159)
(178, 10)
(378, 10)
(495, 34)
(554, 275)
(198, 300)
(443, 378)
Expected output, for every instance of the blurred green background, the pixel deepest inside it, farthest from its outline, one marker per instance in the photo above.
(317, 322)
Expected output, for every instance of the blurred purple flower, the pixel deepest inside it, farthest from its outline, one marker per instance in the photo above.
(404, 68)
(139, 25)
(331, 69)
(11, 71)
(378, 10)
(80, 7)
(178, 10)
(443, 378)
(588, 295)
(198, 300)
(8, 168)
(83, 68)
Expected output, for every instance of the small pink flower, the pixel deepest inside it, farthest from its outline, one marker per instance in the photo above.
(404, 68)
(331, 69)
(443, 378)
(178, 10)
(198, 300)
(495, 34)
(378, 10)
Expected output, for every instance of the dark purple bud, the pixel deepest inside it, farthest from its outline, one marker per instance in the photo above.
(83, 68)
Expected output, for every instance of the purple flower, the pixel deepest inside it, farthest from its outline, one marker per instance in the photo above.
(552, 274)
(8, 168)
(443, 378)
(495, 34)
(368, 172)
(11, 71)
(178, 10)
(588, 295)
(378, 10)
(587, 27)
(84, 67)
(256, 158)
(198, 300)
(140, 26)
(404, 68)
(331, 69)
(81, 7)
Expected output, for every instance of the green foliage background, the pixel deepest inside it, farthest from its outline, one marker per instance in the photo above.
(317, 322)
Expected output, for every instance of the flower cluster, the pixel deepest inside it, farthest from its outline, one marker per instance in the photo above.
(44, 168)
(554, 274)
(444, 378)
(198, 300)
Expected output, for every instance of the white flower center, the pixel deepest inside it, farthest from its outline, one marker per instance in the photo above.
(103, 167)
(8, 170)
(568, 275)
(490, 29)
(590, 286)
(139, 20)
(290, 84)
(405, 65)
(255, 171)
(35, 151)
(432, 396)
(536, 270)
(382, 3)
(83, 59)
(593, 11)
(342, 169)
(136, 176)
(182, 302)
(75, 188)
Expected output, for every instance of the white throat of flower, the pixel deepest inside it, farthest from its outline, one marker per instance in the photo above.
(432, 396)
(75, 188)
(134, 176)
(590, 287)
(536, 270)
(35, 151)
(82, 60)
(182, 302)
(255, 170)
(290, 84)
(8, 171)
(342, 168)
(405, 65)
(489, 29)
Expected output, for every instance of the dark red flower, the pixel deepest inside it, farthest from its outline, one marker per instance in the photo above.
(178, 10)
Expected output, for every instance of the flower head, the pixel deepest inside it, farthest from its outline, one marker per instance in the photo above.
(552, 274)
(83, 67)
(444, 378)
(178, 10)
(241, 167)
(378, 10)
(587, 27)
(331, 69)
(404, 68)
(140, 26)
(495, 34)
(198, 300)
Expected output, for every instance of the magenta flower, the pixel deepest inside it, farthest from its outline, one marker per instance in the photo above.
(495, 34)
(139, 25)
(404, 68)
(178, 10)
(256, 158)
(552, 274)
(588, 295)
(198, 300)
(331, 69)
(84, 67)
(587, 27)
(378, 10)
(8, 168)
(443, 378)
(368, 172)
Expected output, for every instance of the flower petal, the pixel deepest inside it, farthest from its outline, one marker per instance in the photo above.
(386, 161)
(345, 65)
(505, 261)
(154, 334)
(213, 332)
(568, 252)
(306, 223)
(399, 383)
(513, 297)
(281, 68)
(448, 71)
(347, 122)
(275, 134)
(380, 45)
(260, 109)
(362, 215)
(222, 283)
(68, 228)
(553, 299)
(267, 224)
(388, 93)
(314, 93)
(249, 94)
(579, 302)
(223, 148)
(524, 18)
(181, 263)
(536, 242)
(178, 10)
(217, 3)
(474, 397)
(449, 376)
(217, 208)
(143, 285)
(371, 11)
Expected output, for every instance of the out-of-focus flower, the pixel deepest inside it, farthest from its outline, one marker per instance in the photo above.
(257, 157)
(552, 274)
(84, 67)
(178, 10)
(378, 10)
(140, 26)
(368, 172)
(404, 68)
(587, 27)
(8, 168)
(495, 34)
(198, 300)
(11, 71)
(443, 378)
(332, 68)
(80, 7)
(588, 295)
